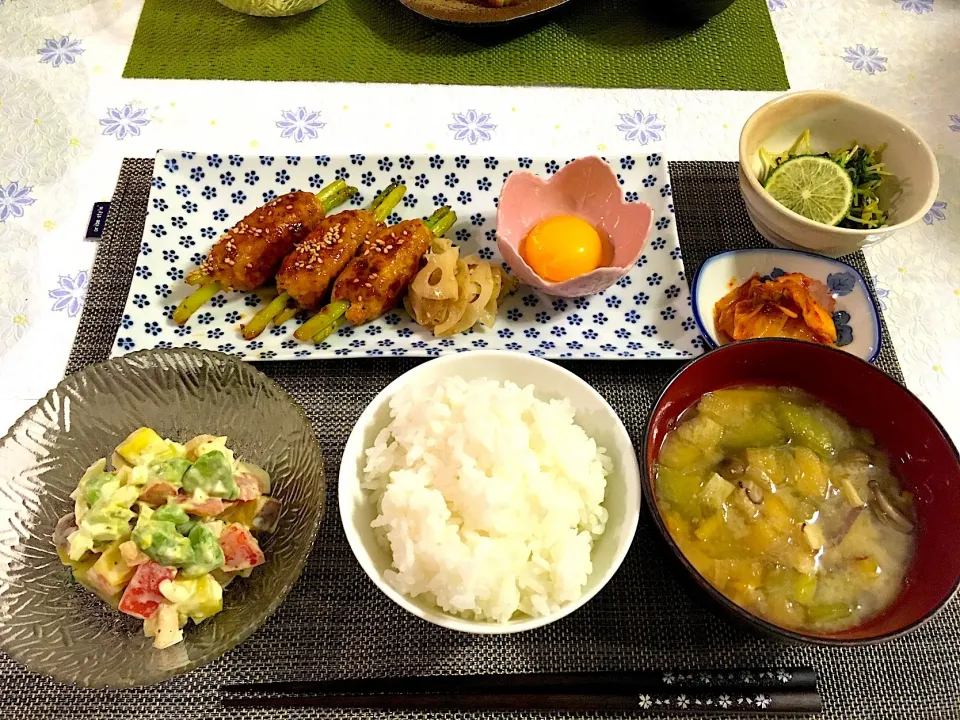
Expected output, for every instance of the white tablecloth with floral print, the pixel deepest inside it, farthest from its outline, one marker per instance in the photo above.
(68, 118)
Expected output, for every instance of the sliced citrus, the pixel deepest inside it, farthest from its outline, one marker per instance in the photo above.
(813, 186)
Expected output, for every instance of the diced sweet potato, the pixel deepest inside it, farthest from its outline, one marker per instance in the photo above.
(142, 443)
(764, 468)
(777, 513)
(761, 538)
(811, 476)
(131, 554)
(110, 572)
(709, 527)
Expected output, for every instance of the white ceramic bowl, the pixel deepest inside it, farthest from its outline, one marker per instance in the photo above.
(834, 120)
(593, 414)
(856, 315)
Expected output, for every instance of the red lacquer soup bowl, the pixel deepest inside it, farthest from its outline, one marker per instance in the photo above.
(921, 454)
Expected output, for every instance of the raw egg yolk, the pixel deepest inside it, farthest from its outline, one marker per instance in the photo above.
(562, 247)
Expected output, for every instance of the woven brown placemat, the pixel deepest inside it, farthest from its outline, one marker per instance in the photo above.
(335, 623)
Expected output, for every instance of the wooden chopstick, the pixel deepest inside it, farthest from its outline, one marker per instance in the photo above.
(774, 702)
(576, 683)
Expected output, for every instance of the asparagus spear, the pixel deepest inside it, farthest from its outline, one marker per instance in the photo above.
(329, 330)
(194, 301)
(330, 197)
(285, 315)
(323, 324)
(260, 321)
(381, 207)
(323, 320)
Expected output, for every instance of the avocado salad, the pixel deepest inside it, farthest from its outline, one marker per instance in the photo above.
(163, 533)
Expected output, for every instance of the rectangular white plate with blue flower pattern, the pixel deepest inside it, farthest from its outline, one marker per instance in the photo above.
(196, 197)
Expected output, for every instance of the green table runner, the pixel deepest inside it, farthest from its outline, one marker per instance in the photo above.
(589, 43)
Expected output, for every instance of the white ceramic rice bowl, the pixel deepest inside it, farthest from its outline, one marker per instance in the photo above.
(593, 414)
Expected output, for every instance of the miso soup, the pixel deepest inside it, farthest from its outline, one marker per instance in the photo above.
(785, 508)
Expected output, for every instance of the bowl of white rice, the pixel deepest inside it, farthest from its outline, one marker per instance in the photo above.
(489, 492)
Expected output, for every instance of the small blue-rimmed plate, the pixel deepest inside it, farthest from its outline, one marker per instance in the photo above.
(856, 315)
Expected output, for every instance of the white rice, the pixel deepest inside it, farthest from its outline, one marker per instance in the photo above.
(489, 499)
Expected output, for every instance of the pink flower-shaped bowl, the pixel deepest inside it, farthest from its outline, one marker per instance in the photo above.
(587, 188)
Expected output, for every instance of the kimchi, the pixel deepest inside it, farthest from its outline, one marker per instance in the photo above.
(791, 305)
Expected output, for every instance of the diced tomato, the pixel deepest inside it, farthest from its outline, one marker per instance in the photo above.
(241, 550)
(210, 507)
(157, 493)
(249, 486)
(142, 596)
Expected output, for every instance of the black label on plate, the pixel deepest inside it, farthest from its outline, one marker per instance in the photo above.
(98, 218)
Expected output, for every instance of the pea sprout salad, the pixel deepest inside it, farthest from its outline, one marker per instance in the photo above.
(161, 534)
(862, 165)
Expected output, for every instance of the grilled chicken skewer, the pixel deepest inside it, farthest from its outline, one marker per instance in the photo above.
(376, 278)
(307, 273)
(249, 254)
